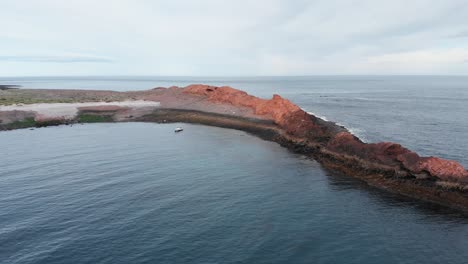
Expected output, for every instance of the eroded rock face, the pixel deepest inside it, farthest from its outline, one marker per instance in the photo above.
(392, 154)
(444, 169)
(300, 124)
(284, 113)
(436, 167)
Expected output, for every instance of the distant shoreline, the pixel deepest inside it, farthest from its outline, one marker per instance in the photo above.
(9, 86)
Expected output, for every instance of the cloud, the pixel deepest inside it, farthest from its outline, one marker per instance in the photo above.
(55, 59)
(423, 57)
(420, 61)
(242, 37)
(461, 34)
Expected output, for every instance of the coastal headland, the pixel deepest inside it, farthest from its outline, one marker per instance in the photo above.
(386, 165)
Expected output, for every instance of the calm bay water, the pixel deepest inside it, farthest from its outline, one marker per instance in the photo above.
(138, 193)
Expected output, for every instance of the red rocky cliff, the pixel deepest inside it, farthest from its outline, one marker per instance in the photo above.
(287, 115)
(300, 124)
(393, 154)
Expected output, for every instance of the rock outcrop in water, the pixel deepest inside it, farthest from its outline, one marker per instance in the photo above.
(395, 155)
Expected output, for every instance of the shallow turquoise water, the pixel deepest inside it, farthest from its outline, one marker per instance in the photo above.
(139, 193)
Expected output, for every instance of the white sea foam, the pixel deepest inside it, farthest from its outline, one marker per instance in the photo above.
(360, 133)
(319, 116)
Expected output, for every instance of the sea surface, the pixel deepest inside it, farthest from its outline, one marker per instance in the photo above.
(140, 193)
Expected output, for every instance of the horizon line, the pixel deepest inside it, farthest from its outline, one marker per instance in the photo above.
(232, 76)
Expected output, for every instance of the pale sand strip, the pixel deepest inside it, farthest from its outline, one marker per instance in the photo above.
(70, 110)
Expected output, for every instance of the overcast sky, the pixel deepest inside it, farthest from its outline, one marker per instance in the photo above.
(238, 37)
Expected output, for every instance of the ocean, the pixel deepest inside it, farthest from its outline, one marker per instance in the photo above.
(138, 193)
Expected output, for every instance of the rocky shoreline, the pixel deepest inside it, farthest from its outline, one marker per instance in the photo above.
(5, 87)
(384, 165)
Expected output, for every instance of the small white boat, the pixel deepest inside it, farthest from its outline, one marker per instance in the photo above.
(178, 129)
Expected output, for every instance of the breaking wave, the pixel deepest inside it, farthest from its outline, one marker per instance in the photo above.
(358, 132)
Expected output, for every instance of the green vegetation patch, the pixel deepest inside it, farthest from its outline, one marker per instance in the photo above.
(11, 97)
(12, 101)
(88, 118)
(28, 122)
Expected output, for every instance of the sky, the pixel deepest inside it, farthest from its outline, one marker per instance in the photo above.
(233, 38)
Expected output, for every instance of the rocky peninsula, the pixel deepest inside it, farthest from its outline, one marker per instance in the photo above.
(385, 165)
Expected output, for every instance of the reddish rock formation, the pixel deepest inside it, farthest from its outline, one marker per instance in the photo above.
(393, 154)
(302, 125)
(443, 169)
(289, 116)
